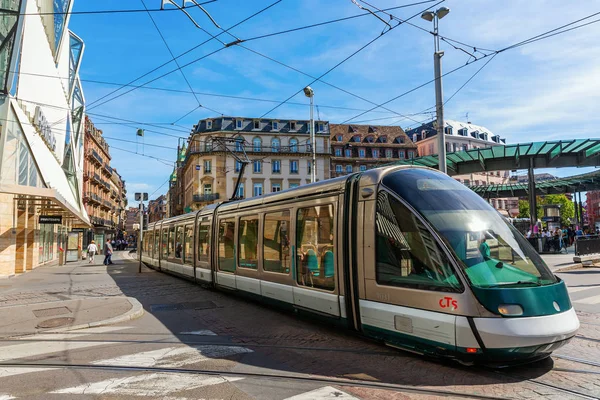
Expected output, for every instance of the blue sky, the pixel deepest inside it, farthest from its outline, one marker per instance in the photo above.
(544, 91)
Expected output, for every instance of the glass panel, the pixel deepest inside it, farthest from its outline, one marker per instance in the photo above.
(179, 242)
(165, 247)
(156, 243)
(276, 242)
(60, 9)
(150, 245)
(203, 241)
(491, 251)
(248, 242)
(226, 245)
(315, 251)
(188, 247)
(9, 159)
(407, 253)
(23, 161)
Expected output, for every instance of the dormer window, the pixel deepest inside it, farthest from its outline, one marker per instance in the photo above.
(209, 124)
(238, 124)
(256, 124)
(356, 138)
(275, 125)
(351, 129)
(382, 139)
(372, 129)
(369, 139)
(399, 140)
(339, 138)
(292, 126)
(321, 127)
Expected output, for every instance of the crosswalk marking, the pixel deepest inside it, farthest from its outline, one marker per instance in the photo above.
(327, 392)
(160, 384)
(5, 397)
(10, 371)
(45, 345)
(174, 357)
(203, 332)
(589, 300)
(576, 289)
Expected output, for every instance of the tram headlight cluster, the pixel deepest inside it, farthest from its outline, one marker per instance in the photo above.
(511, 310)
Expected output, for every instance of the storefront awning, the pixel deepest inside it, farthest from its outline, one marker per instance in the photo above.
(49, 200)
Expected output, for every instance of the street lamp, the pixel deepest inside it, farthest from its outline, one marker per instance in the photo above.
(435, 17)
(308, 92)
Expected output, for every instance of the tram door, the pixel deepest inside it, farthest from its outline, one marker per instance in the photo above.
(226, 251)
(203, 246)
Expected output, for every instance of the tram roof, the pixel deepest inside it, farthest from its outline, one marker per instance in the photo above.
(549, 154)
(572, 184)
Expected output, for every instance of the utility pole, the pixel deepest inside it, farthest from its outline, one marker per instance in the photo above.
(141, 197)
(310, 93)
(439, 97)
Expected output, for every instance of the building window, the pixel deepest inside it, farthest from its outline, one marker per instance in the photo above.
(411, 155)
(275, 125)
(338, 169)
(308, 147)
(292, 126)
(399, 140)
(257, 166)
(207, 188)
(309, 166)
(348, 152)
(238, 124)
(208, 145)
(256, 144)
(361, 153)
(363, 168)
(276, 164)
(375, 153)
(339, 138)
(293, 166)
(348, 169)
(275, 187)
(382, 139)
(209, 124)
(275, 145)
(207, 166)
(294, 185)
(294, 145)
(338, 152)
(256, 124)
(258, 189)
(240, 192)
(321, 127)
(239, 144)
(238, 166)
(388, 153)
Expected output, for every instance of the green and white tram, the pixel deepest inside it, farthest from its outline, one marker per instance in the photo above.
(405, 255)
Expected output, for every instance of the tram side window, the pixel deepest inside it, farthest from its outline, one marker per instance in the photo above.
(165, 247)
(156, 243)
(407, 254)
(276, 242)
(149, 243)
(248, 242)
(179, 242)
(203, 241)
(314, 243)
(171, 243)
(188, 245)
(226, 245)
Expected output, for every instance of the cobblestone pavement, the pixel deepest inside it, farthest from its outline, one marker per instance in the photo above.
(283, 343)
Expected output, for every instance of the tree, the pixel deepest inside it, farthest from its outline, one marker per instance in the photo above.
(523, 209)
(567, 209)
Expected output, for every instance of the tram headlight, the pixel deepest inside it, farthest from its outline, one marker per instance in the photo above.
(511, 310)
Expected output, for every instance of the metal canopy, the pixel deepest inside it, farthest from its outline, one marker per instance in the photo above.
(572, 184)
(551, 154)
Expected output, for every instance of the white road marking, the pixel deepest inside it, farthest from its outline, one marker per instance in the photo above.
(160, 384)
(6, 397)
(10, 371)
(580, 288)
(588, 300)
(174, 357)
(204, 332)
(327, 392)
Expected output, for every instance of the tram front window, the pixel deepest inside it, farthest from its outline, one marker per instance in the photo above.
(492, 252)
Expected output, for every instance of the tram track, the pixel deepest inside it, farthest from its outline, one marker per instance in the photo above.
(257, 375)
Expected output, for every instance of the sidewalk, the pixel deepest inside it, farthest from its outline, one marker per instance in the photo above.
(74, 296)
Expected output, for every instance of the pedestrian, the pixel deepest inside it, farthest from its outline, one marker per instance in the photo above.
(108, 250)
(92, 250)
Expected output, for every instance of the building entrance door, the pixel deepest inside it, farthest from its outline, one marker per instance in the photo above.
(73, 246)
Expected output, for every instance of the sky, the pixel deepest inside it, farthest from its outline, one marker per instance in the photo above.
(546, 90)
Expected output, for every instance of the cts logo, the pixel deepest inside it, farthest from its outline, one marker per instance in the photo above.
(448, 302)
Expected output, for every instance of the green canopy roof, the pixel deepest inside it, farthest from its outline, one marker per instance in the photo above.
(551, 154)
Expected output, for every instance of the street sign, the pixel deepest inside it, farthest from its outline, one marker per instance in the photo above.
(50, 219)
(197, 168)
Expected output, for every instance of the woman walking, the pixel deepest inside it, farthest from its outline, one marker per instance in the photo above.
(92, 250)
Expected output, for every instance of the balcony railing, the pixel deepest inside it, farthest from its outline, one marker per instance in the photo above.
(97, 157)
(198, 198)
(106, 168)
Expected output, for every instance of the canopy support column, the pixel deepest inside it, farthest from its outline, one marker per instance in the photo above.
(532, 197)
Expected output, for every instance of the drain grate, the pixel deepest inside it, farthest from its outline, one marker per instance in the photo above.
(50, 312)
(192, 305)
(56, 322)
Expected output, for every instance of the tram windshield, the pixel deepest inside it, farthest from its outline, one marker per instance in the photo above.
(492, 252)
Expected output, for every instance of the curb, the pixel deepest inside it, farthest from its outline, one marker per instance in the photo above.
(569, 267)
(137, 310)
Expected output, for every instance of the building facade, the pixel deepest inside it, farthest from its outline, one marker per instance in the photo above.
(278, 151)
(592, 208)
(42, 216)
(157, 209)
(360, 147)
(463, 136)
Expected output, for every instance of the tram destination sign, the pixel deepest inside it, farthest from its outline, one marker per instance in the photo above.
(50, 219)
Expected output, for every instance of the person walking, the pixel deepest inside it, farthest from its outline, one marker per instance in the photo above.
(92, 250)
(108, 250)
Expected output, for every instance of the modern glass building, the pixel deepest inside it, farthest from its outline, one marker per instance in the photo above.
(41, 136)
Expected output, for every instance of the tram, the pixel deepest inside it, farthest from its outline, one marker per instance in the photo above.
(405, 255)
